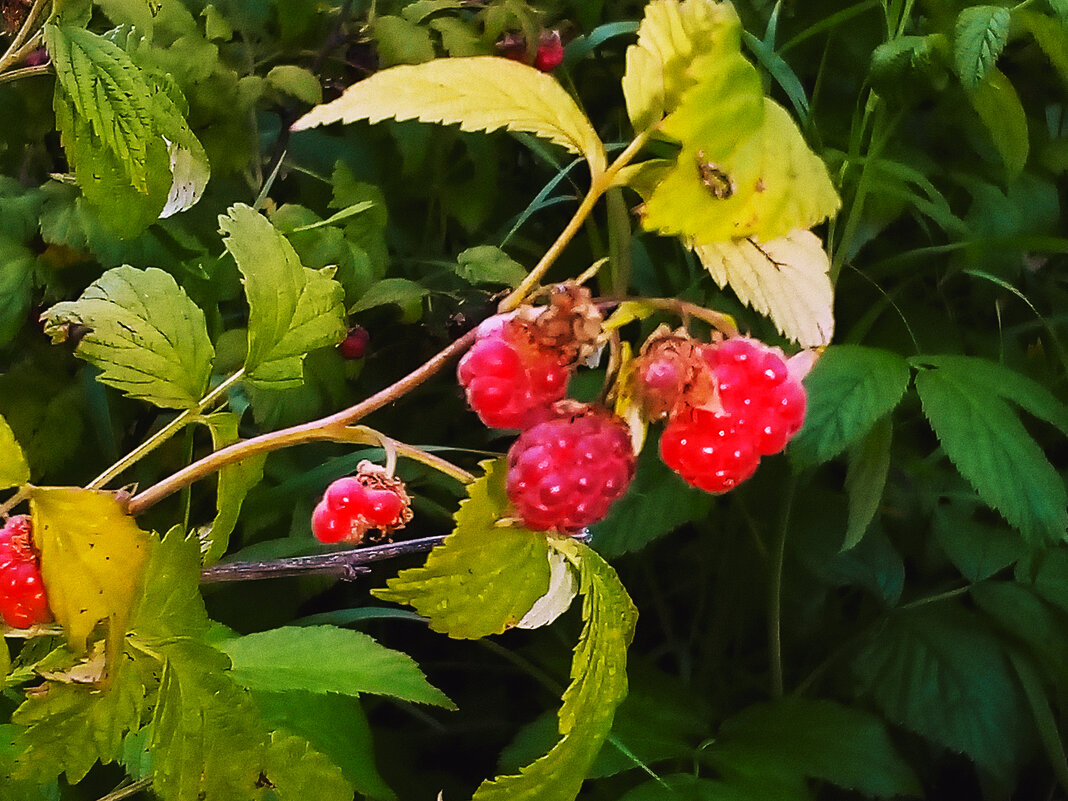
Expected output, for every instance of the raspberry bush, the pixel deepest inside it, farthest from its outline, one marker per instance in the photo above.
(312, 311)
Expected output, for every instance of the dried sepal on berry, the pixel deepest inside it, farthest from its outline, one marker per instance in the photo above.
(670, 373)
(568, 328)
(354, 506)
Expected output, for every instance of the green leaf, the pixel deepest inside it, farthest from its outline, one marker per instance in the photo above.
(657, 502)
(903, 56)
(297, 772)
(401, 42)
(16, 287)
(984, 438)
(1045, 719)
(671, 37)
(849, 390)
(292, 309)
(324, 659)
(69, 727)
(406, 294)
(12, 789)
(484, 578)
(14, 470)
(1050, 577)
(170, 604)
(744, 169)
(481, 93)
(235, 480)
(334, 725)
(1050, 34)
(787, 279)
(1008, 604)
(147, 337)
(979, 37)
(685, 787)
(297, 82)
(813, 738)
(869, 465)
(977, 549)
(999, 108)
(937, 671)
(93, 556)
(487, 264)
(598, 685)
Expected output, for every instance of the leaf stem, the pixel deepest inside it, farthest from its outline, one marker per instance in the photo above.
(333, 428)
(775, 592)
(601, 184)
(723, 323)
(15, 500)
(165, 433)
(128, 790)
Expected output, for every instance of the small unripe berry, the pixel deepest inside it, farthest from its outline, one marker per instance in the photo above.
(354, 345)
(550, 53)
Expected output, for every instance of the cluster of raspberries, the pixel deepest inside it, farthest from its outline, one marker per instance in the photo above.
(726, 403)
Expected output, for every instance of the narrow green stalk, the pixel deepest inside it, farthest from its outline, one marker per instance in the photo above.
(128, 790)
(775, 592)
(165, 433)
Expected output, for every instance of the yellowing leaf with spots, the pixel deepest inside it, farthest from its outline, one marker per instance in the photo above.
(92, 558)
(13, 467)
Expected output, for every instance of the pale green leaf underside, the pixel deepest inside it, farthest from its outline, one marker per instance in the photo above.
(481, 93)
(598, 685)
(671, 35)
(14, 469)
(326, 659)
(747, 173)
(984, 438)
(147, 337)
(849, 389)
(787, 279)
(980, 35)
(484, 578)
(292, 309)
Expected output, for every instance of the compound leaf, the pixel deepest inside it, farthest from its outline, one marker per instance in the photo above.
(93, 556)
(744, 169)
(481, 93)
(813, 738)
(984, 438)
(292, 309)
(14, 470)
(670, 37)
(483, 578)
(598, 685)
(850, 388)
(324, 659)
(980, 35)
(936, 671)
(786, 279)
(147, 337)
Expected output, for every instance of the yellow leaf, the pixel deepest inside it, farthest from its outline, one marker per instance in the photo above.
(13, 467)
(670, 37)
(481, 93)
(92, 558)
(730, 185)
(786, 279)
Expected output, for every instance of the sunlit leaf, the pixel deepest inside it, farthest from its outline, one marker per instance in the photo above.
(744, 169)
(325, 659)
(484, 578)
(13, 467)
(481, 93)
(598, 685)
(298, 772)
(93, 556)
(292, 309)
(235, 480)
(671, 35)
(147, 337)
(786, 279)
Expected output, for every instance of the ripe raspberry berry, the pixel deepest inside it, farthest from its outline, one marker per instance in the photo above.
(510, 383)
(354, 345)
(710, 449)
(550, 53)
(22, 595)
(564, 473)
(353, 505)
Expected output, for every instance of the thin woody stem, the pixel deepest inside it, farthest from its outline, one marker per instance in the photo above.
(601, 184)
(327, 429)
(721, 322)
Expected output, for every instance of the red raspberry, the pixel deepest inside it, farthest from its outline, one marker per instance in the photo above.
(22, 594)
(354, 505)
(354, 345)
(564, 473)
(550, 53)
(509, 382)
(709, 449)
(754, 385)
